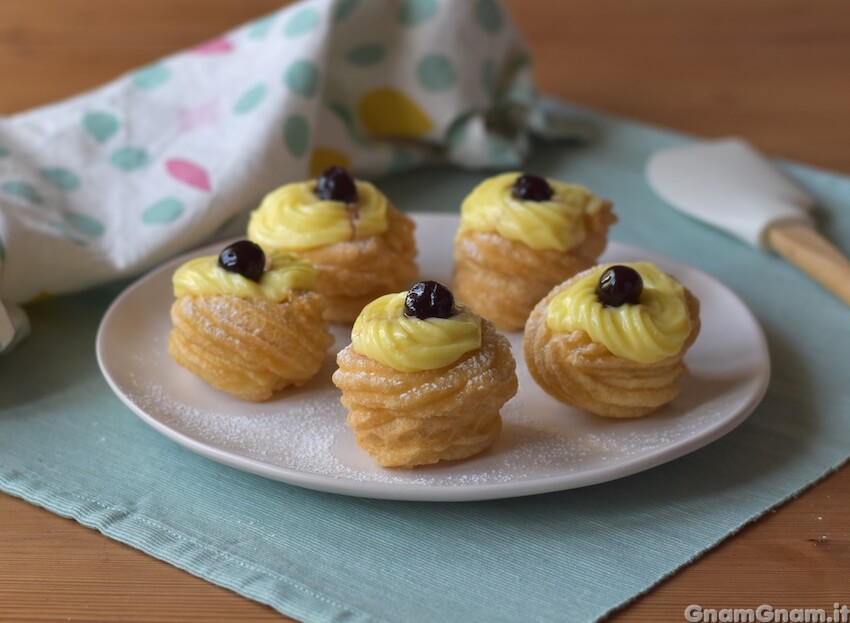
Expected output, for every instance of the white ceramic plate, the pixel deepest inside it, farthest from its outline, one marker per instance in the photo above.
(300, 437)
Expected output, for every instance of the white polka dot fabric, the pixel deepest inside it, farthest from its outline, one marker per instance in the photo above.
(112, 182)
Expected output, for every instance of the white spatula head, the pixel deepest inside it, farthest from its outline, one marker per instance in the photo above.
(729, 185)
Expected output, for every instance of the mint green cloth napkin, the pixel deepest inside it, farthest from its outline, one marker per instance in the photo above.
(66, 443)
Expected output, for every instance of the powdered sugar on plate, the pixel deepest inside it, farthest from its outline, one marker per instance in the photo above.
(300, 436)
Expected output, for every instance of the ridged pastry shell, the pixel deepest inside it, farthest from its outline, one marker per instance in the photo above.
(584, 374)
(353, 273)
(503, 280)
(250, 348)
(404, 419)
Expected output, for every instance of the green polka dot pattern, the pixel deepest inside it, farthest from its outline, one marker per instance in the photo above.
(101, 126)
(261, 28)
(162, 212)
(343, 9)
(151, 77)
(62, 179)
(296, 135)
(250, 99)
(489, 16)
(416, 12)
(147, 165)
(129, 158)
(302, 23)
(85, 224)
(435, 73)
(366, 55)
(22, 190)
(302, 78)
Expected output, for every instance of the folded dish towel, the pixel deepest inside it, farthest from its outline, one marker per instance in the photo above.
(114, 181)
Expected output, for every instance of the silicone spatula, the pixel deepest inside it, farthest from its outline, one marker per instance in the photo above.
(731, 186)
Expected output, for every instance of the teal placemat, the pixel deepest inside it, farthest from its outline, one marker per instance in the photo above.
(66, 443)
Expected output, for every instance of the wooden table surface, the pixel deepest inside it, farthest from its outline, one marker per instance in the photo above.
(774, 71)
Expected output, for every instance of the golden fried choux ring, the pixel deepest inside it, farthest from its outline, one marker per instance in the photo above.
(361, 246)
(617, 355)
(249, 336)
(427, 388)
(352, 274)
(516, 244)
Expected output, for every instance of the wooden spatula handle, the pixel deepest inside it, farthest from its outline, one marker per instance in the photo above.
(804, 247)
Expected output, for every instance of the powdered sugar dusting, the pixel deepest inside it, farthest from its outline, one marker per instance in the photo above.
(304, 430)
(301, 436)
(297, 436)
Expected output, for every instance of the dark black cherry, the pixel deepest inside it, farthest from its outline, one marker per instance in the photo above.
(429, 299)
(619, 285)
(336, 184)
(245, 258)
(532, 188)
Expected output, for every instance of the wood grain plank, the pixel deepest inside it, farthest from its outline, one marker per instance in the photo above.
(54, 569)
(774, 71)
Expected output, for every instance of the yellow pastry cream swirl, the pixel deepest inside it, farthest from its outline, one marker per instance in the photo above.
(655, 328)
(556, 224)
(383, 333)
(293, 218)
(285, 273)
